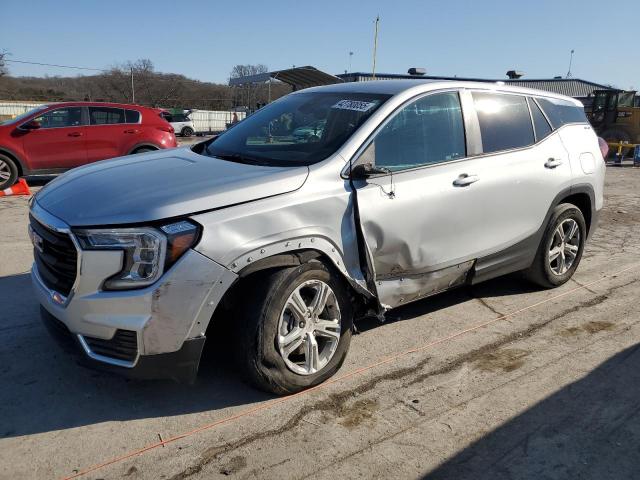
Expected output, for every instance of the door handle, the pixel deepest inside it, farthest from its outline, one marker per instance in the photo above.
(131, 131)
(465, 179)
(75, 134)
(553, 163)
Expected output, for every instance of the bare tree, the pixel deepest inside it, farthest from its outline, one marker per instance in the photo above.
(247, 94)
(3, 65)
(152, 88)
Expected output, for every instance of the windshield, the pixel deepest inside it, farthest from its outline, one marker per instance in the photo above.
(298, 129)
(24, 115)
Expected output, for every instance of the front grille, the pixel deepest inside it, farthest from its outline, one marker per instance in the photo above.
(57, 262)
(123, 345)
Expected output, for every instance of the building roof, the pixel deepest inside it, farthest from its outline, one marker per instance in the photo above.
(571, 87)
(298, 77)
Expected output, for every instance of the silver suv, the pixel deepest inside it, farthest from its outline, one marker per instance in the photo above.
(409, 188)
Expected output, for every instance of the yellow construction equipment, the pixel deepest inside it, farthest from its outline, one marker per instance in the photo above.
(615, 116)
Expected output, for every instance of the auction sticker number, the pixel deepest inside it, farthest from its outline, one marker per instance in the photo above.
(354, 105)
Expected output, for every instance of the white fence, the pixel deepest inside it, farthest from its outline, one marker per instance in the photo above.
(214, 121)
(203, 120)
(12, 109)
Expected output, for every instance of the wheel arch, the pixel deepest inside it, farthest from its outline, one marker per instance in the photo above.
(583, 197)
(362, 299)
(22, 169)
(143, 145)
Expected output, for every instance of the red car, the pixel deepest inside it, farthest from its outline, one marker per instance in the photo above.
(53, 138)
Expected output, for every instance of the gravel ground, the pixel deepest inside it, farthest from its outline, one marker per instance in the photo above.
(547, 389)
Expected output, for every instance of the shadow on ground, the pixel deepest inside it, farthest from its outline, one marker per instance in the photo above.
(590, 429)
(43, 389)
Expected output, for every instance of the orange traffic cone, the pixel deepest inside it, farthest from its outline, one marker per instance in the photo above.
(20, 188)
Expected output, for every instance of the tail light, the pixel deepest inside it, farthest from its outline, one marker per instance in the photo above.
(604, 147)
(166, 128)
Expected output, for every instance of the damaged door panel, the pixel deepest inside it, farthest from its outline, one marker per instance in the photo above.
(400, 290)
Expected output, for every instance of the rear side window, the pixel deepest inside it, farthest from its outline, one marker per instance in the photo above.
(425, 132)
(505, 122)
(132, 116)
(561, 112)
(106, 115)
(180, 118)
(540, 124)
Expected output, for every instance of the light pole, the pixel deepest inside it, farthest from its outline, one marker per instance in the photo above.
(570, 62)
(375, 49)
(350, 57)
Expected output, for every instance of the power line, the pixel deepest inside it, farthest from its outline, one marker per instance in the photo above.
(54, 65)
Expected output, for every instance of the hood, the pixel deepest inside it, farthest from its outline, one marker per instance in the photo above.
(159, 185)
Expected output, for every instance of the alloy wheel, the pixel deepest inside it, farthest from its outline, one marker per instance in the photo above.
(309, 328)
(564, 246)
(5, 171)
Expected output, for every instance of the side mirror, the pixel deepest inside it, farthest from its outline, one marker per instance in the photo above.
(365, 170)
(30, 125)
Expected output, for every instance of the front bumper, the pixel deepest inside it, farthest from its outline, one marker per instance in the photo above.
(181, 365)
(149, 330)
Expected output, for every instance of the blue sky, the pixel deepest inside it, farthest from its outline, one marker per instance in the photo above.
(204, 40)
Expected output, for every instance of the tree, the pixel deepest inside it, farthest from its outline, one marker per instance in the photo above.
(3, 65)
(247, 94)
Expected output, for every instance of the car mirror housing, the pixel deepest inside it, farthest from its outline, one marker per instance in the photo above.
(30, 125)
(362, 171)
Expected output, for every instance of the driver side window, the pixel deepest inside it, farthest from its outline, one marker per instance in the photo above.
(425, 132)
(62, 117)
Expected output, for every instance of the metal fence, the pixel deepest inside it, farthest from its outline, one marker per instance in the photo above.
(205, 121)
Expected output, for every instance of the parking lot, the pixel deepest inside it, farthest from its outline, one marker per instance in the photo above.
(501, 380)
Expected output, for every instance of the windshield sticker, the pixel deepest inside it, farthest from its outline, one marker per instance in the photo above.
(354, 105)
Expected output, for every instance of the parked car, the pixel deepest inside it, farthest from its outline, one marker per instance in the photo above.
(56, 137)
(181, 123)
(412, 188)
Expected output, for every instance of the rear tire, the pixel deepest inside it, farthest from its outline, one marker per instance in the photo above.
(561, 248)
(281, 350)
(187, 132)
(8, 172)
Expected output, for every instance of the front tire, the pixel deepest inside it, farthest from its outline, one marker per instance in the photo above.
(8, 172)
(187, 131)
(561, 248)
(295, 328)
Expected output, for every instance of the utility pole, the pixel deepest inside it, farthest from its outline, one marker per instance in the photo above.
(570, 62)
(375, 49)
(133, 90)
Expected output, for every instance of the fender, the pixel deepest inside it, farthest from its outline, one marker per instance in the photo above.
(295, 251)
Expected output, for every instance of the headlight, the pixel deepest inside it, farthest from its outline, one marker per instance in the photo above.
(148, 251)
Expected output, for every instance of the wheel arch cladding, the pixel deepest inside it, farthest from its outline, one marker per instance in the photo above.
(584, 202)
(281, 261)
